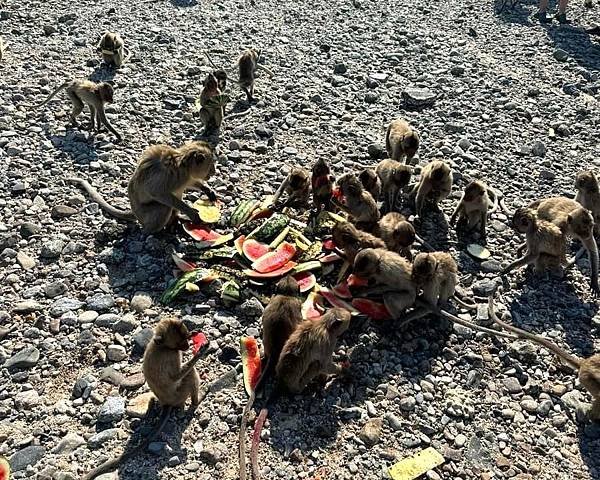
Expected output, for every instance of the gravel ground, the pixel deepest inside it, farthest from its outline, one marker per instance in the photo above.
(516, 104)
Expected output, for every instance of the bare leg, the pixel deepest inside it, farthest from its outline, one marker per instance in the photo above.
(92, 118)
(77, 107)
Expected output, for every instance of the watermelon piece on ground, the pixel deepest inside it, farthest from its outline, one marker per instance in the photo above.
(182, 264)
(253, 249)
(306, 281)
(342, 290)
(201, 233)
(214, 243)
(373, 310)
(4, 469)
(275, 273)
(239, 242)
(328, 244)
(311, 308)
(250, 363)
(306, 266)
(332, 257)
(335, 301)
(198, 341)
(274, 260)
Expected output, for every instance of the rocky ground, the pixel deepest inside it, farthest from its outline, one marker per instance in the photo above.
(516, 104)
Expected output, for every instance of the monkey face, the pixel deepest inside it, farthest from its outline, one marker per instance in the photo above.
(350, 186)
(368, 178)
(523, 219)
(586, 181)
(410, 144)
(424, 267)
(581, 222)
(201, 160)
(401, 177)
(210, 83)
(473, 191)
(405, 234)
(320, 168)
(337, 321)
(106, 92)
(366, 263)
(287, 286)
(172, 333)
(342, 235)
(221, 77)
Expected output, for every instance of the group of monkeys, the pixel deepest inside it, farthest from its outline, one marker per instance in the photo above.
(375, 242)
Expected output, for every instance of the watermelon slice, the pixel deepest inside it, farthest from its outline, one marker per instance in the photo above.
(239, 242)
(306, 266)
(337, 193)
(4, 469)
(342, 290)
(273, 274)
(216, 242)
(182, 264)
(253, 250)
(306, 281)
(354, 281)
(328, 244)
(208, 211)
(272, 261)
(198, 341)
(311, 309)
(332, 257)
(335, 301)
(200, 232)
(374, 310)
(250, 363)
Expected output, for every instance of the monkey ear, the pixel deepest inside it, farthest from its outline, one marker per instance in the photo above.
(332, 322)
(158, 339)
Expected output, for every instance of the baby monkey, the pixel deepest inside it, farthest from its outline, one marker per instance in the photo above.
(211, 113)
(156, 187)
(435, 185)
(171, 382)
(357, 202)
(397, 233)
(401, 140)
(247, 65)
(474, 206)
(94, 95)
(394, 177)
(322, 185)
(112, 48)
(351, 240)
(297, 187)
(371, 182)
(588, 195)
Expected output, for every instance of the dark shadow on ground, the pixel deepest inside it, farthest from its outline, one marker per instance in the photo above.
(577, 43)
(515, 11)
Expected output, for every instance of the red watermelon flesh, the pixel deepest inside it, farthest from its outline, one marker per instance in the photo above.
(335, 301)
(342, 290)
(306, 281)
(272, 261)
(238, 243)
(332, 257)
(182, 264)
(328, 244)
(275, 273)
(354, 281)
(200, 232)
(198, 341)
(374, 310)
(4, 469)
(311, 309)
(254, 250)
(250, 363)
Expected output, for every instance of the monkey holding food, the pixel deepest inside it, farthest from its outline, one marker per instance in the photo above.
(113, 50)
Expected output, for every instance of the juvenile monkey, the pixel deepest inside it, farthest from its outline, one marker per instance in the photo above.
(279, 319)
(247, 65)
(221, 76)
(171, 382)
(297, 187)
(401, 140)
(112, 48)
(392, 274)
(394, 177)
(435, 184)
(588, 195)
(306, 355)
(397, 233)
(94, 95)
(351, 240)
(357, 202)
(211, 114)
(371, 182)
(156, 187)
(545, 242)
(575, 221)
(588, 368)
(322, 185)
(474, 206)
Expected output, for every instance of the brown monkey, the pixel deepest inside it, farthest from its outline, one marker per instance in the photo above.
(171, 382)
(575, 221)
(221, 76)
(542, 237)
(474, 206)
(588, 195)
(211, 114)
(357, 202)
(392, 274)
(397, 233)
(394, 177)
(112, 48)
(401, 140)
(371, 182)
(297, 187)
(279, 319)
(156, 187)
(588, 368)
(306, 355)
(351, 240)
(94, 95)
(322, 185)
(435, 184)
(247, 64)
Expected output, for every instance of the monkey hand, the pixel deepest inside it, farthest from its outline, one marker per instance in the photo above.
(212, 195)
(195, 218)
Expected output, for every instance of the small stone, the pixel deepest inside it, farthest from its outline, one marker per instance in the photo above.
(529, 405)
(100, 302)
(408, 404)
(27, 306)
(538, 149)
(62, 211)
(138, 406)
(561, 55)
(107, 320)
(141, 340)
(116, 353)
(54, 289)
(141, 301)
(371, 431)
(25, 261)
(460, 440)
(25, 457)
(340, 68)
(209, 456)
(112, 410)
(393, 421)
(49, 30)
(133, 382)
(70, 442)
(88, 316)
(52, 249)
(28, 230)
(376, 150)
(512, 385)
(27, 400)
(100, 438)
(26, 358)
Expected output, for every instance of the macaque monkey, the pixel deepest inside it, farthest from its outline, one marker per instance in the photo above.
(94, 95)
(575, 221)
(474, 206)
(351, 240)
(397, 233)
(357, 202)
(171, 382)
(588, 195)
(156, 187)
(588, 368)
(297, 187)
(211, 115)
(401, 140)
(306, 355)
(435, 184)
(248, 64)
(394, 177)
(322, 185)
(221, 76)
(112, 48)
(279, 319)
(371, 182)
(545, 242)
(392, 274)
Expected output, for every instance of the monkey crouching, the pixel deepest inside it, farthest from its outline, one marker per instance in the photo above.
(211, 112)
(434, 185)
(357, 202)
(401, 140)
(397, 233)
(322, 185)
(297, 187)
(113, 50)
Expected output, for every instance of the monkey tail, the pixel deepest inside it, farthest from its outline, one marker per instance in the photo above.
(242, 439)
(265, 69)
(258, 426)
(388, 145)
(96, 197)
(113, 463)
(52, 95)
(127, 55)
